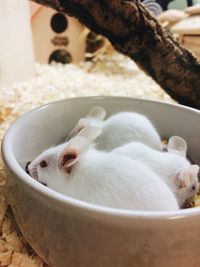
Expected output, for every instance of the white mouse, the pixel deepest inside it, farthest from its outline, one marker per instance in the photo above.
(171, 166)
(77, 169)
(119, 129)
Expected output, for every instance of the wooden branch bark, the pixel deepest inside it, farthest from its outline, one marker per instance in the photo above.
(134, 32)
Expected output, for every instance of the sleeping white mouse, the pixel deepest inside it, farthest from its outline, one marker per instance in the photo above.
(77, 169)
(171, 166)
(119, 129)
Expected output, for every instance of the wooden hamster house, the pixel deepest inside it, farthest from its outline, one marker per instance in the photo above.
(188, 30)
(185, 25)
(56, 36)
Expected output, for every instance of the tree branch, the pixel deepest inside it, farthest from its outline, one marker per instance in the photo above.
(133, 31)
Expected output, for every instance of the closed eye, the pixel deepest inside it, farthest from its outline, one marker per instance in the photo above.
(193, 187)
(80, 129)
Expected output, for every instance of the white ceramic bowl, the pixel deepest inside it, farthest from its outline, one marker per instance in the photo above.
(70, 233)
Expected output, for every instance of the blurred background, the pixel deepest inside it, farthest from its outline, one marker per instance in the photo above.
(57, 37)
(38, 34)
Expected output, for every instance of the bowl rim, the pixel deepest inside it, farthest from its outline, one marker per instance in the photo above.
(17, 170)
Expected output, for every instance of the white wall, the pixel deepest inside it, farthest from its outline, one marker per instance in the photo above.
(16, 49)
(181, 4)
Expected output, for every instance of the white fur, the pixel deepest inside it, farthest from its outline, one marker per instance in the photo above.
(120, 129)
(166, 165)
(106, 179)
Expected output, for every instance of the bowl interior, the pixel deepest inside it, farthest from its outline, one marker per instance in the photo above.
(50, 124)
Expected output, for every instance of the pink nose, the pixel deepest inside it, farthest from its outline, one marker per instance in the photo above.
(33, 172)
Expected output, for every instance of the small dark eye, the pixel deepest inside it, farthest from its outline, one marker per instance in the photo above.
(193, 187)
(43, 164)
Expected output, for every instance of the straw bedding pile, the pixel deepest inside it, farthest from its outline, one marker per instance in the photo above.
(116, 75)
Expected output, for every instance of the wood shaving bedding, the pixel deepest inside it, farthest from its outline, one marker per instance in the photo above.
(14, 251)
(116, 75)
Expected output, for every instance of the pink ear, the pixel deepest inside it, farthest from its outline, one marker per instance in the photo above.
(180, 182)
(194, 169)
(90, 133)
(72, 151)
(67, 160)
(82, 123)
(98, 113)
(177, 145)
